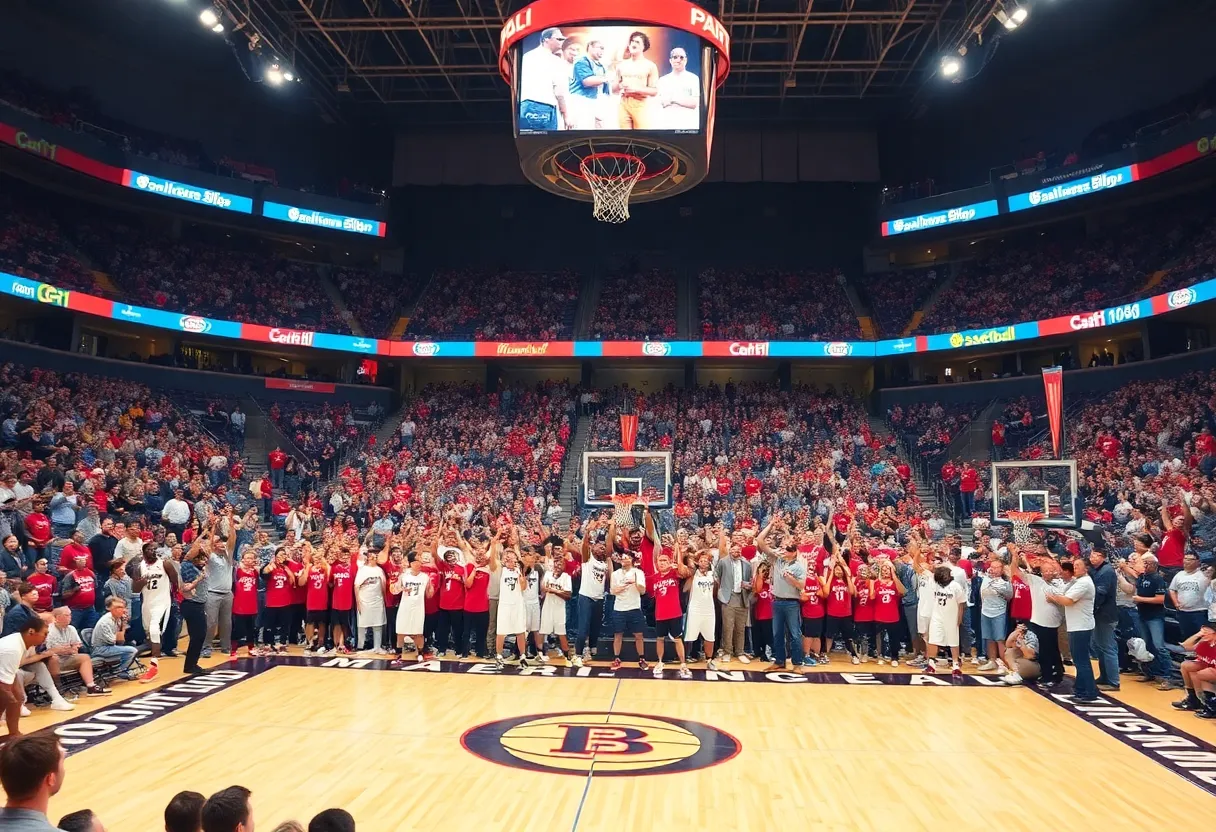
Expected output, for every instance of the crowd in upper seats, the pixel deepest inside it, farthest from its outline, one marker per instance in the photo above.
(893, 297)
(472, 304)
(775, 304)
(325, 433)
(376, 299)
(460, 449)
(742, 452)
(32, 244)
(1040, 277)
(636, 305)
(928, 428)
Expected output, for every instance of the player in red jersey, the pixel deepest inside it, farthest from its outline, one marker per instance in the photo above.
(1199, 674)
(279, 581)
(342, 579)
(450, 625)
(476, 605)
(1021, 605)
(886, 590)
(668, 611)
(839, 591)
(393, 565)
(863, 614)
(314, 577)
(430, 601)
(812, 620)
(245, 604)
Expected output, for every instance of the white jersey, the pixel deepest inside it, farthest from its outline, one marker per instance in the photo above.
(532, 588)
(560, 582)
(594, 573)
(924, 590)
(411, 613)
(946, 603)
(156, 592)
(510, 588)
(369, 585)
(701, 594)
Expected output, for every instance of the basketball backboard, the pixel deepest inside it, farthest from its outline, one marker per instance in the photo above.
(610, 473)
(1048, 487)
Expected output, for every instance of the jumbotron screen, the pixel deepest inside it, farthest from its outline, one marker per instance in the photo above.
(616, 77)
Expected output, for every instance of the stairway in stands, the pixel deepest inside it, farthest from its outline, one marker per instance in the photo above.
(572, 473)
(925, 490)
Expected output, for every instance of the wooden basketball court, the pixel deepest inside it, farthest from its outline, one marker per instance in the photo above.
(838, 751)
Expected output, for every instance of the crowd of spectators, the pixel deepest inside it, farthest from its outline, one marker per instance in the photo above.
(1039, 277)
(894, 296)
(742, 453)
(926, 429)
(325, 433)
(497, 306)
(33, 245)
(376, 299)
(775, 304)
(636, 306)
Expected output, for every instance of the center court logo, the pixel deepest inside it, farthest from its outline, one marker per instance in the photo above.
(600, 744)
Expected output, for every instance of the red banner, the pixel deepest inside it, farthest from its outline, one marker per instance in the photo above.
(524, 349)
(735, 349)
(629, 437)
(38, 146)
(298, 386)
(1053, 384)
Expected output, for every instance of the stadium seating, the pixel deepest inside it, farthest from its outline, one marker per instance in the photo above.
(506, 306)
(636, 306)
(376, 299)
(32, 244)
(894, 296)
(766, 304)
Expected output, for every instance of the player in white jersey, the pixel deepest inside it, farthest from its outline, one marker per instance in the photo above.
(949, 607)
(701, 589)
(512, 613)
(531, 587)
(557, 587)
(596, 567)
(415, 586)
(155, 580)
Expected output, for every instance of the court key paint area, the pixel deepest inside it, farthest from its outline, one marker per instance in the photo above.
(388, 747)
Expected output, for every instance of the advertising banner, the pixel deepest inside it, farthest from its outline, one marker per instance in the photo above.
(1072, 188)
(936, 219)
(321, 219)
(186, 192)
(432, 349)
(42, 141)
(524, 349)
(299, 385)
(991, 336)
(638, 349)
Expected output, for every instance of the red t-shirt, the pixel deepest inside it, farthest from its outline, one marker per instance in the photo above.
(864, 611)
(343, 579)
(886, 602)
(1172, 547)
(278, 459)
(278, 587)
(392, 572)
(451, 586)
(666, 590)
(812, 607)
(752, 486)
(1205, 651)
(477, 596)
(431, 605)
(967, 566)
(839, 601)
(39, 526)
(764, 602)
(245, 592)
(1021, 604)
(1205, 443)
(87, 584)
(70, 553)
(969, 480)
(45, 584)
(316, 589)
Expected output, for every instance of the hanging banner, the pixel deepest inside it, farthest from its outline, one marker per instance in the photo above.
(1053, 384)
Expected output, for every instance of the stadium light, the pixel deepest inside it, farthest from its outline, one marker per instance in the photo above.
(218, 28)
(1014, 19)
(951, 65)
(274, 74)
(210, 18)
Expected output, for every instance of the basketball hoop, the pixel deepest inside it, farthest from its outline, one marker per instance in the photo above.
(1021, 521)
(611, 177)
(622, 515)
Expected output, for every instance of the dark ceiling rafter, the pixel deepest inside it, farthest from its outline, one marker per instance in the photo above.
(444, 52)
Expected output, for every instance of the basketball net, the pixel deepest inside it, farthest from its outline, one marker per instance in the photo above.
(622, 515)
(611, 177)
(1021, 521)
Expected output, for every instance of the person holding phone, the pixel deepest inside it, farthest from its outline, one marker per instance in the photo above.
(1022, 656)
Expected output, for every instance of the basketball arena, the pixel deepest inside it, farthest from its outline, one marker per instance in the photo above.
(645, 414)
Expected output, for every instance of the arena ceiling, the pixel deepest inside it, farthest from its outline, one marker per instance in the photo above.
(437, 58)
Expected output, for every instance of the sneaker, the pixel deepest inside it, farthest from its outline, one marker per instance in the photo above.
(956, 671)
(498, 661)
(711, 665)
(808, 661)
(824, 659)
(232, 656)
(544, 658)
(930, 668)
(987, 666)
(744, 659)
(570, 659)
(586, 654)
(1166, 684)
(1106, 687)
(726, 658)
(1188, 704)
(642, 665)
(685, 673)
(1001, 666)
(62, 705)
(206, 654)
(150, 674)
(25, 711)
(882, 661)
(523, 661)
(855, 660)
(658, 670)
(1206, 713)
(578, 660)
(916, 664)
(97, 690)
(616, 665)
(894, 662)
(1012, 679)
(321, 651)
(975, 660)
(397, 662)
(865, 659)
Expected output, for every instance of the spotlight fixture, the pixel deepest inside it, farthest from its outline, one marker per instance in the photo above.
(209, 17)
(288, 76)
(950, 66)
(218, 28)
(1012, 19)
